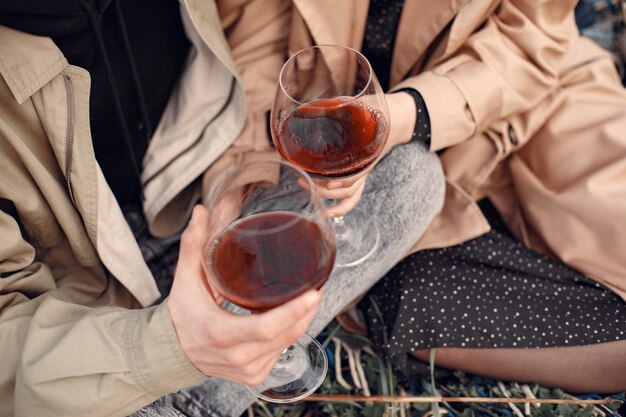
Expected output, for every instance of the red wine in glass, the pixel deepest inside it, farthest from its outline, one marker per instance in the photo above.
(268, 240)
(332, 138)
(330, 118)
(266, 259)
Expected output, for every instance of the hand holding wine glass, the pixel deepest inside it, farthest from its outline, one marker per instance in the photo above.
(348, 191)
(269, 243)
(217, 342)
(330, 118)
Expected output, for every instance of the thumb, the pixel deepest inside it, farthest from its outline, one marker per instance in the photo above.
(192, 242)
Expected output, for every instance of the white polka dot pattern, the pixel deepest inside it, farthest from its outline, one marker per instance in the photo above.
(489, 292)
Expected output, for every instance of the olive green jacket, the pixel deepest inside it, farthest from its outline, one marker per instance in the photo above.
(77, 335)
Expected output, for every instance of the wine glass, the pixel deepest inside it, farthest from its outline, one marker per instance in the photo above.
(268, 240)
(330, 118)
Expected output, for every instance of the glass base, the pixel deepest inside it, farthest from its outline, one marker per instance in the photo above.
(357, 238)
(300, 370)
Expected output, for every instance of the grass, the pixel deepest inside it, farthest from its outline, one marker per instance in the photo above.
(357, 371)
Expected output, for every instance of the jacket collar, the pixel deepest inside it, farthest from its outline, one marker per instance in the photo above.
(28, 62)
(414, 36)
(326, 20)
(421, 22)
(205, 18)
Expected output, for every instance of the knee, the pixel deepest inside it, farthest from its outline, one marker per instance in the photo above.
(415, 177)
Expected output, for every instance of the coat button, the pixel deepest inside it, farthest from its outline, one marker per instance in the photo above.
(513, 136)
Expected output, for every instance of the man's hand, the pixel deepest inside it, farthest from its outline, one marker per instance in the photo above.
(221, 344)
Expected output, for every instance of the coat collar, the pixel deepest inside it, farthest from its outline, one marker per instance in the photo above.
(421, 22)
(326, 20)
(28, 62)
(205, 18)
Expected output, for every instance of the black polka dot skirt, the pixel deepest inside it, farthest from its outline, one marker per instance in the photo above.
(489, 292)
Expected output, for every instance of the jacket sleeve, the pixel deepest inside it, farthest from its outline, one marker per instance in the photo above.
(504, 68)
(63, 358)
(570, 179)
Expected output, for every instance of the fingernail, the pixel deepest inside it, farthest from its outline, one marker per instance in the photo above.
(334, 184)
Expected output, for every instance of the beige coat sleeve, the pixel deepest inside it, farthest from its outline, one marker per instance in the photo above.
(504, 68)
(570, 179)
(63, 358)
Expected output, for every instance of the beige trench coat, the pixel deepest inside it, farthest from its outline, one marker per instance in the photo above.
(73, 338)
(528, 112)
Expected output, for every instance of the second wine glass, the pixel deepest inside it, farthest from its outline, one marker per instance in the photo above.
(268, 241)
(330, 118)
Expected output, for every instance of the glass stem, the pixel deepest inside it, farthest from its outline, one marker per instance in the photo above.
(341, 228)
(286, 356)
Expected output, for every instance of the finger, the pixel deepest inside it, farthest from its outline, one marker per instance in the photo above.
(341, 193)
(249, 373)
(189, 267)
(192, 239)
(346, 204)
(255, 360)
(271, 326)
(263, 339)
(268, 362)
(242, 358)
(292, 313)
(333, 184)
(287, 336)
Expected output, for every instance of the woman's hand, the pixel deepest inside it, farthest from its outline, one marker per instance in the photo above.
(239, 348)
(402, 115)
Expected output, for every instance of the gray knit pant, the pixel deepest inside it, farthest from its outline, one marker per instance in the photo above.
(403, 193)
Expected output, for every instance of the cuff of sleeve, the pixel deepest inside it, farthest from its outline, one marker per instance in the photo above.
(462, 99)
(421, 129)
(157, 361)
(447, 109)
